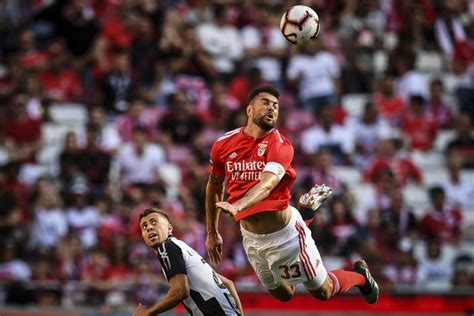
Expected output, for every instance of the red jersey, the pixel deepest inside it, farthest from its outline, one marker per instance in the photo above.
(445, 225)
(390, 108)
(242, 159)
(419, 130)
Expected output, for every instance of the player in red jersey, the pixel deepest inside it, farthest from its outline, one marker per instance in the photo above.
(255, 161)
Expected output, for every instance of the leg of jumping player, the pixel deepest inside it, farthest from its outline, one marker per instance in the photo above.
(340, 281)
(283, 293)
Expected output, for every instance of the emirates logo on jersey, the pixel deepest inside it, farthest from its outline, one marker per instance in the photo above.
(245, 170)
(261, 149)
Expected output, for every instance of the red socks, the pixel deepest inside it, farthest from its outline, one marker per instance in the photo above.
(344, 280)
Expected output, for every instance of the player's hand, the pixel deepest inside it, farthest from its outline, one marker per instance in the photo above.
(141, 310)
(214, 247)
(228, 208)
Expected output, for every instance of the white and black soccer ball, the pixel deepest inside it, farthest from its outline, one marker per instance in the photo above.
(299, 24)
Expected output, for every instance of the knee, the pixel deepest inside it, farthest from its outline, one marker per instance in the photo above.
(283, 293)
(323, 294)
(284, 297)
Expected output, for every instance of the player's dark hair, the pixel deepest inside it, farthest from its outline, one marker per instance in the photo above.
(151, 210)
(264, 89)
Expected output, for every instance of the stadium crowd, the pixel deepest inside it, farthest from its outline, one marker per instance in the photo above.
(111, 106)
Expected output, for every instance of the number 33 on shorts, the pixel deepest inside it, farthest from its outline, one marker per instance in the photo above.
(290, 271)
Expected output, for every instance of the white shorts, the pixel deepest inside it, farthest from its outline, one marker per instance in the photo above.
(288, 256)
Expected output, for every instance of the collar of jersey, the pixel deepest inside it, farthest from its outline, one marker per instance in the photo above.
(256, 139)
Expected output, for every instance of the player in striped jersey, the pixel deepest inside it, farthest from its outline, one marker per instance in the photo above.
(192, 281)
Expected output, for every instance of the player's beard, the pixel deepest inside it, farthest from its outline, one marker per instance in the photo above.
(264, 124)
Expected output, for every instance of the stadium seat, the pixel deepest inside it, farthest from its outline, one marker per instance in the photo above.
(451, 102)
(390, 41)
(380, 61)
(427, 77)
(468, 218)
(416, 197)
(429, 62)
(419, 249)
(468, 175)
(49, 154)
(179, 154)
(53, 134)
(450, 82)
(363, 192)
(442, 139)
(69, 113)
(354, 103)
(29, 173)
(448, 252)
(348, 175)
(299, 119)
(428, 161)
(333, 262)
(434, 177)
(171, 175)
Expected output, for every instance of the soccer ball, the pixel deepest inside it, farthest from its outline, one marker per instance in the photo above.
(299, 24)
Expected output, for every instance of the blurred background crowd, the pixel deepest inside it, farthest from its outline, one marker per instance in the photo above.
(111, 106)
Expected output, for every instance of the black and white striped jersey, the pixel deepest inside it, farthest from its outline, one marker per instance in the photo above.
(208, 295)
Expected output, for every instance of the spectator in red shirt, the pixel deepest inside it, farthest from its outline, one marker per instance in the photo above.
(22, 133)
(436, 106)
(390, 106)
(463, 66)
(117, 33)
(119, 270)
(403, 169)
(29, 55)
(112, 225)
(341, 225)
(59, 82)
(419, 127)
(135, 117)
(47, 291)
(442, 221)
(94, 274)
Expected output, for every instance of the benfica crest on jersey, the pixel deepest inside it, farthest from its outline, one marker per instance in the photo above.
(261, 149)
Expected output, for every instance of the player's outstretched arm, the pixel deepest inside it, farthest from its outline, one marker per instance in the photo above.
(214, 194)
(257, 193)
(178, 292)
(231, 287)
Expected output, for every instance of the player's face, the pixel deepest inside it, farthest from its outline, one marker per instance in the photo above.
(155, 229)
(263, 111)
